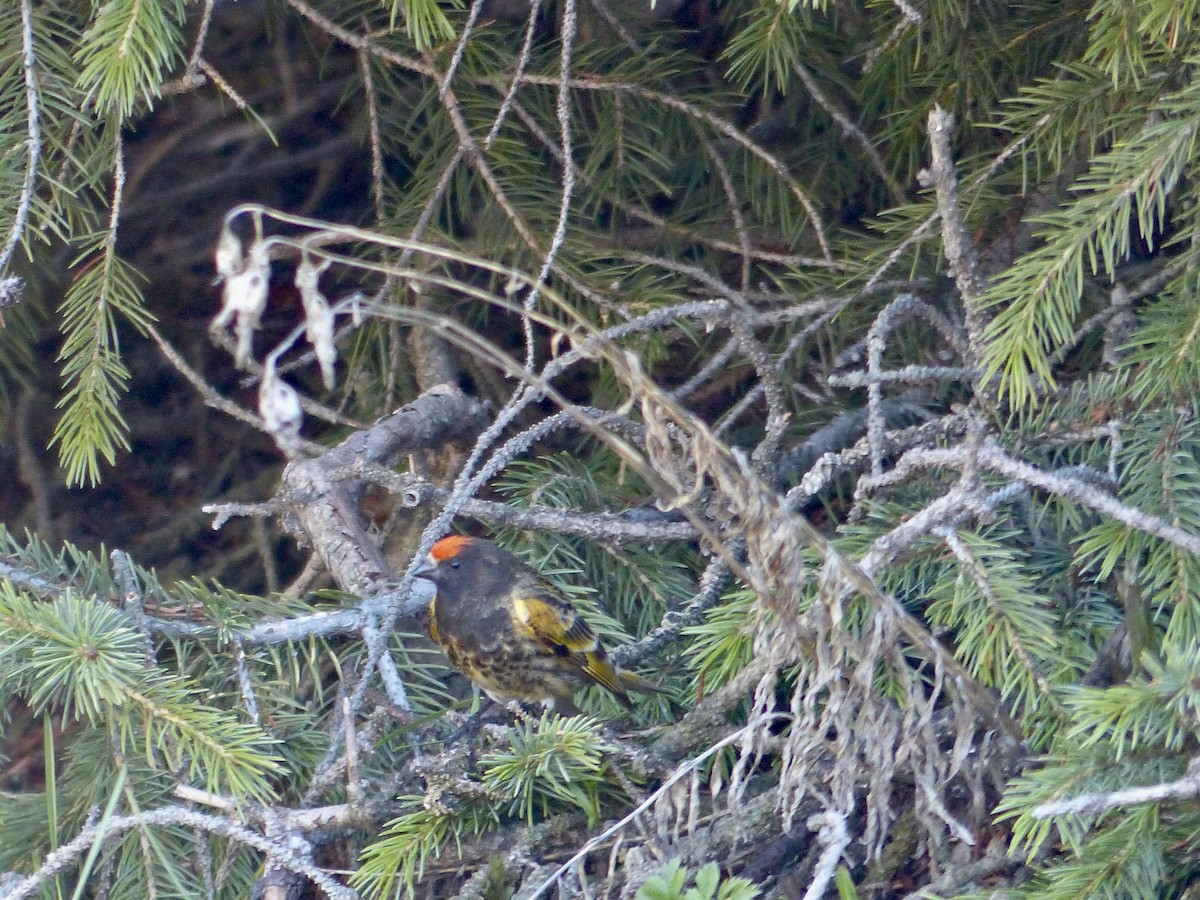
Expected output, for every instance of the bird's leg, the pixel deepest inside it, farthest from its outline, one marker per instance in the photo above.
(521, 712)
(470, 728)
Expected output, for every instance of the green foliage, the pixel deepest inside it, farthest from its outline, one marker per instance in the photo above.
(112, 712)
(127, 52)
(393, 864)
(768, 47)
(1165, 350)
(704, 169)
(1040, 295)
(672, 883)
(425, 22)
(1159, 714)
(91, 427)
(1123, 855)
(124, 53)
(845, 885)
(1118, 737)
(723, 644)
(84, 661)
(550, 763)
(1007, 634)
(1130, 40)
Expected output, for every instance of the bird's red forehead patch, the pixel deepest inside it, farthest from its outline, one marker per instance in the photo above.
(450, 546)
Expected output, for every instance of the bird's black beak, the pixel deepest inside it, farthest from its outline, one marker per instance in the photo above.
(426, 569)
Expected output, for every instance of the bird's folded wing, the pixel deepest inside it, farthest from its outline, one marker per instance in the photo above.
(554, 622)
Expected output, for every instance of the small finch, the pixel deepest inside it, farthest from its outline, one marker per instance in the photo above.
(511, 632)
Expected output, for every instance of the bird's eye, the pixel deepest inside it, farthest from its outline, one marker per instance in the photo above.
(456, 563)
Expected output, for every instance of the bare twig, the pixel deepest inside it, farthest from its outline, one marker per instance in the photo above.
(991, 455)
(1185, 788)
(415, 491)
(364, 67)
(30, 469)
(460, 49)
(851, 130)
(33, 143)
(960, 251)
(905, 375)
(284, 855)
(193, 63)
(563, 112)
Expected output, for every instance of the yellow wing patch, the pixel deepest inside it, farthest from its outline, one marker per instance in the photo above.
(598, 667)
(433, 629)
(561, 626)
(554, 623)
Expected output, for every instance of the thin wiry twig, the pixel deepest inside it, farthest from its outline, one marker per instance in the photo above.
(618, 27)
(211, 396)
(33, 143)
(649, 217)
(735, 207)
(523, 58)
(730, 131)
(469, 146)
(460, 48)
(429, 210)
(562, 109)
(714, 365)
(358, 41)
(193, 63)
(923, 229)
(849, 128)
(904, 307)
(825, 313)
(364, 65)
(991, 455)
(225, 87)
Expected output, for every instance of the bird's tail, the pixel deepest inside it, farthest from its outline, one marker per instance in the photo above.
(631, 681)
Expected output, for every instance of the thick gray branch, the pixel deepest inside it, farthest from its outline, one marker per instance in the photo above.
(326, 509)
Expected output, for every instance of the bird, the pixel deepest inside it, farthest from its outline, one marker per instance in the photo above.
(511, 632)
